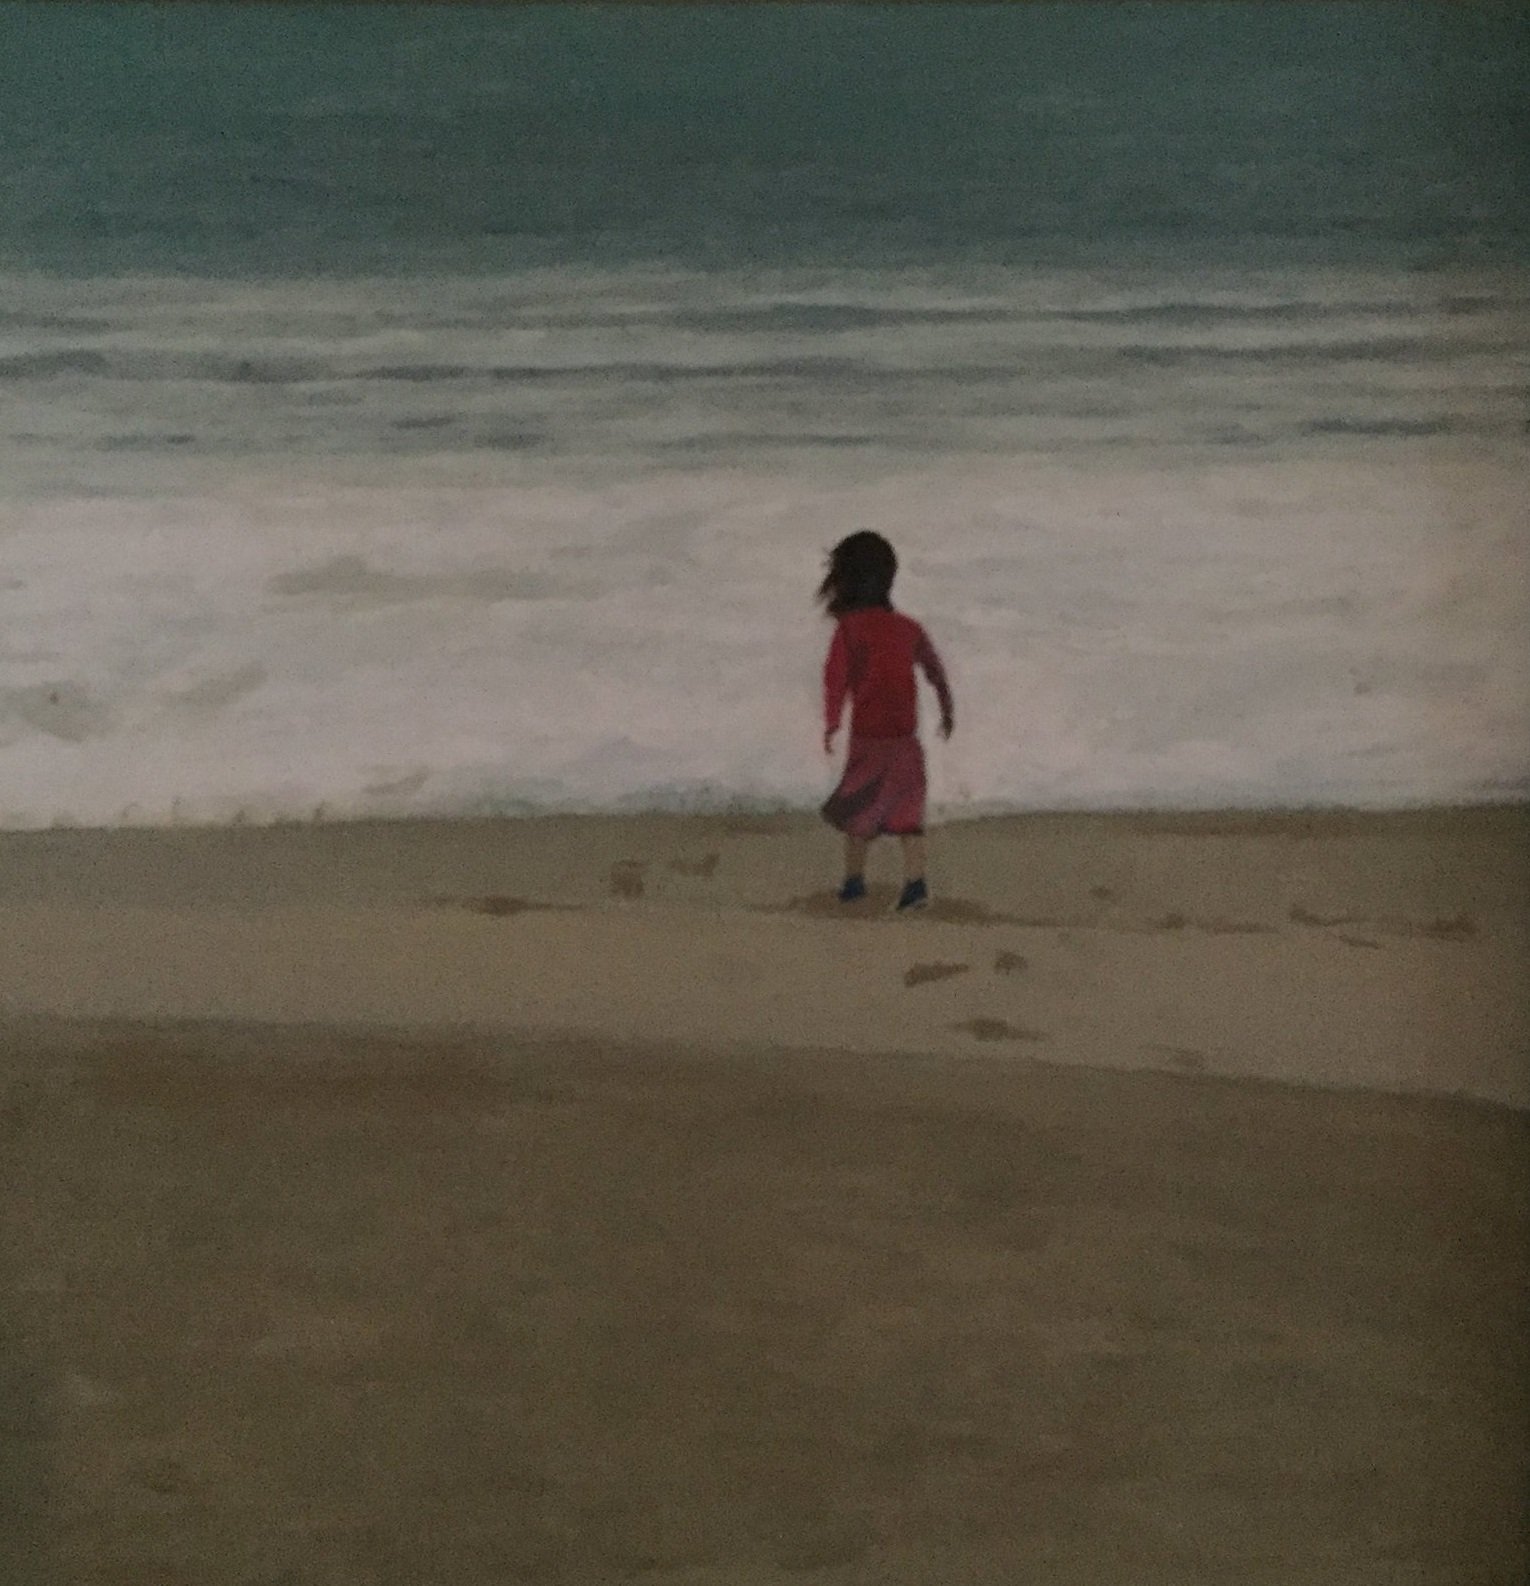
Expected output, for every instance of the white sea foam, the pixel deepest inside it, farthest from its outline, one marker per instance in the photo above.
(546, 541)
(1310, 631)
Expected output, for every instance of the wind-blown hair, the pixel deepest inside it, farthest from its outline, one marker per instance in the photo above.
(860, 576)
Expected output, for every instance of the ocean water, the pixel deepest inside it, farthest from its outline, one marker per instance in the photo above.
(420, 410)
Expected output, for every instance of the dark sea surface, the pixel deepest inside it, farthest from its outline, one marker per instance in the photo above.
(297, 140)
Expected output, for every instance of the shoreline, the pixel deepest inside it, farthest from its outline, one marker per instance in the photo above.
(942, 816)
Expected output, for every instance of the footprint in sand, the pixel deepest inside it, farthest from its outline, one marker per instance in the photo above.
(998, 1030)
(923, 974)
(626, 878)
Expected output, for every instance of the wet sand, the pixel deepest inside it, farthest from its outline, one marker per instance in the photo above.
(619, 1271)
(1347, 950)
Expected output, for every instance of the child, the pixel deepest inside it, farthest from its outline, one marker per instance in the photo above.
(872, 659)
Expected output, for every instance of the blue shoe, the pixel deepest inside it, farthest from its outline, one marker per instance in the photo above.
(854, 888)
(914, 896)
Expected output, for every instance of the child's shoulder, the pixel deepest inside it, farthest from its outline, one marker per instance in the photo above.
(879, 616)
(881, 625)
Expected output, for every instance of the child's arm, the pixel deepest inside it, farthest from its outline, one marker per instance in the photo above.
(926, 656)
(836, 684)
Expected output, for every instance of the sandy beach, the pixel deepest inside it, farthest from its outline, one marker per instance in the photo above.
(1340, 949)
(584, 1200)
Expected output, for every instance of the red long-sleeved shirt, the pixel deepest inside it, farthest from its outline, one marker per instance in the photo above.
(872, 659)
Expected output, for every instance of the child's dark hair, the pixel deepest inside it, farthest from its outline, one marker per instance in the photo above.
(860, 576)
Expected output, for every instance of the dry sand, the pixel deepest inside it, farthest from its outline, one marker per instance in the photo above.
(653, 1219)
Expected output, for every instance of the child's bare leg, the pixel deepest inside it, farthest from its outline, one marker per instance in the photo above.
(855, 856)
(913, 858)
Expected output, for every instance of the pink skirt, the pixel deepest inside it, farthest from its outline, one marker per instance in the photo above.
(882, 790)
